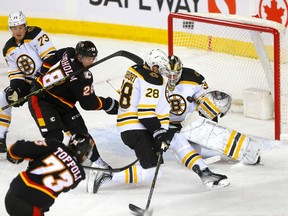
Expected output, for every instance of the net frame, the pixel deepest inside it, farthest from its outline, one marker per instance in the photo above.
(247, 23)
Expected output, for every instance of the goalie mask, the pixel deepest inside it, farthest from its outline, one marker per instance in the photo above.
(16, 18)
(157, 57)
(81, 146)
(175, 71)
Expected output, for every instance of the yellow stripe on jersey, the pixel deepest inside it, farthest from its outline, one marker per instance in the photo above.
(234, 144)
(10, 50)
(145, 106)
(127, 119)
(31, 184)
(131, 69)
(47, 51)
(188, 82)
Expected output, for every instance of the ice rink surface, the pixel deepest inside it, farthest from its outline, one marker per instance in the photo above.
(254, 191)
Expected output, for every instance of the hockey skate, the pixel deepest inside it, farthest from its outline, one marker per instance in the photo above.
(96, 178)
(210, 179)
(100, 179)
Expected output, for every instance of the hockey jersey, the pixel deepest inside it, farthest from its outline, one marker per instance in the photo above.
(142, 96)
(78, 88)
(183, 98)
(24, 60)
(52, 170)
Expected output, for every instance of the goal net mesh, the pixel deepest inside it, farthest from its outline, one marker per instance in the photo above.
(235, 53)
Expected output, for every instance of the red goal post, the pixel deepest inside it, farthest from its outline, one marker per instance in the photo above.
(235, 53)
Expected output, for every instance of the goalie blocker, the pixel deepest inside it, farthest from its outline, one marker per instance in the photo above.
(226, 141)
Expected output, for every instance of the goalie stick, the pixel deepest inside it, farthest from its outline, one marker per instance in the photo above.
(139, 211)
(112, 169)
(123, 53)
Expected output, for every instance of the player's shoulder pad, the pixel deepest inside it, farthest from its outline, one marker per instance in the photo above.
(147, 75)
(9, 44)
(189, 74)
(32, 32)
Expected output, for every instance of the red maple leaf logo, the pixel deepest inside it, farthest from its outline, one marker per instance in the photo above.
(273, 12)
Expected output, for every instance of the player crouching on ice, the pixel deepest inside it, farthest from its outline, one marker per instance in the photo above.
(53, 169)
(143, 119)
(189, 93)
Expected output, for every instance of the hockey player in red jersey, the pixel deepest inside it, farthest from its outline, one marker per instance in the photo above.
(54, 111)
(53, 168)
(24, 53)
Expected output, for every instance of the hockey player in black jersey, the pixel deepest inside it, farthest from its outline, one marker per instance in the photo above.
(24, 53)
(54, 111)
(53, 168)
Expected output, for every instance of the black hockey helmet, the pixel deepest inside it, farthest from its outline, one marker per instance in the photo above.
(81, 146)
(86, 48)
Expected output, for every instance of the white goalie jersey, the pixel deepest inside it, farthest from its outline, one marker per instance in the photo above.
(142, 96)
(189, 96)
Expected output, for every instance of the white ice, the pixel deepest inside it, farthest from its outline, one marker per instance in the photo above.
(254, 191)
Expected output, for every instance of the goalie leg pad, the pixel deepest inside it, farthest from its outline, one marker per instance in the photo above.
(226, 141)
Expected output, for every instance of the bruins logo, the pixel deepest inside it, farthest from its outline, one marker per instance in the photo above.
(26, 64)
(178, 104)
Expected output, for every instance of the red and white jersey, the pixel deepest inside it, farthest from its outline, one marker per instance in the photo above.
(183, 98)
(24, 60)
(142, 97)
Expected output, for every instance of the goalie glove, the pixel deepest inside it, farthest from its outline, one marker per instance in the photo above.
(214, 103)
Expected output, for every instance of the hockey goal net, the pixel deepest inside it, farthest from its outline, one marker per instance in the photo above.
(235, 53)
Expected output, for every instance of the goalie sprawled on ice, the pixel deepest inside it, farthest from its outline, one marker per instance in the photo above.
(188, 93)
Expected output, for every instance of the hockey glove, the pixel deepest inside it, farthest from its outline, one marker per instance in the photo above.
(13, 160)
(112, 106)
(12, 95)
(161, 138)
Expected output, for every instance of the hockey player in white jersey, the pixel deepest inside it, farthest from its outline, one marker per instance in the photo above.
(24, 53)
(143, 120)
(188, 93)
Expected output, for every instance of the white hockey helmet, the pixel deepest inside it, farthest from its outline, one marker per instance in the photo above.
(157, 57)
(174, 71)
(16, 18)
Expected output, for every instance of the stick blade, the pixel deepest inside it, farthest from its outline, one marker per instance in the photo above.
(139, 211)
(136, 210)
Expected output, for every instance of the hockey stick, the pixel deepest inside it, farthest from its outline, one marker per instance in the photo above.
(112, 85)
(115, 170)
(122, 53)
(137, 210)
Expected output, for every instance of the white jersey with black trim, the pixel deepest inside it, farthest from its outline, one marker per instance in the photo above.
(183, 98)
(142, 96)
(24, 60)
